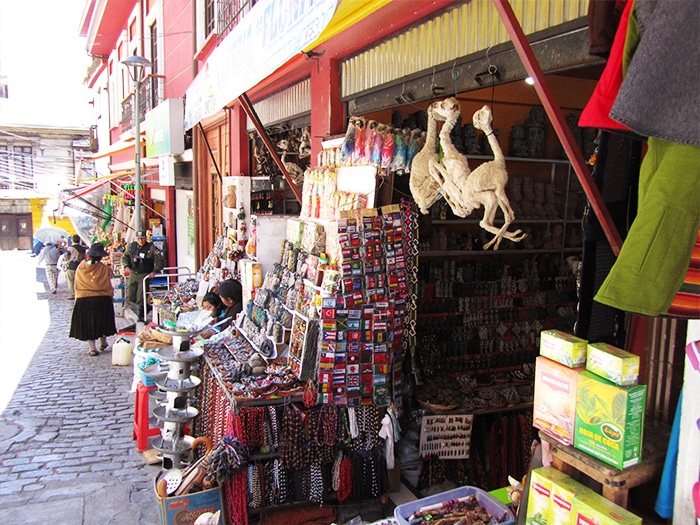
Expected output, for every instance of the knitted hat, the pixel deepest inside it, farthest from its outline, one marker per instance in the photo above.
(97, 250)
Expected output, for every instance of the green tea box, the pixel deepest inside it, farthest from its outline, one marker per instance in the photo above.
(539, 499)
(554, 404)
(591, 508)
(563, 501)
(612, 363)
(609, 420)
(563, 348)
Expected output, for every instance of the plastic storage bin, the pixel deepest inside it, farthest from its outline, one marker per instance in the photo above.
(498, 510)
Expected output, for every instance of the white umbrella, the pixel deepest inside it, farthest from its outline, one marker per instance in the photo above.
(50, 234)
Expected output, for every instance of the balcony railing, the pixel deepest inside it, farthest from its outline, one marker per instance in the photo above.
(151, 94)
(230, 13)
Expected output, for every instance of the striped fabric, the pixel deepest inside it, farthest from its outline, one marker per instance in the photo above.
(686, 304)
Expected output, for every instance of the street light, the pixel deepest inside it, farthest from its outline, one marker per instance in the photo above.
(136, 65)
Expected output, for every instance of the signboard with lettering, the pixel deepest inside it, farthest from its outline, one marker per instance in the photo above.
(165, 133)
(269, 35)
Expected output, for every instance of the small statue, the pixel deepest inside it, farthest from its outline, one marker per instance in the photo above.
(518, 146)
(534, 132)
(471, 144)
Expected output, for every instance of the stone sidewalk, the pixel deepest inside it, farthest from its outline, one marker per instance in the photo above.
(66, 451)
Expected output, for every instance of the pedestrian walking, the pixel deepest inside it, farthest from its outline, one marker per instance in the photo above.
(49, 255)
(93, 313)
(76, 254)
(141, 260)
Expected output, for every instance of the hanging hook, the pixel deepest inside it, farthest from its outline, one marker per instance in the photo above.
(434, 88)
(455, 75)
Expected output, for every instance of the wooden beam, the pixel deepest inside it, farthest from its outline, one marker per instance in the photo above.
(522, 46)
(250, 111)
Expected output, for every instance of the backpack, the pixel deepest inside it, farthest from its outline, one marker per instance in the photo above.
(63, 261)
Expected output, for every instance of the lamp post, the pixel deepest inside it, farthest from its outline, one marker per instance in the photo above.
(136, 65)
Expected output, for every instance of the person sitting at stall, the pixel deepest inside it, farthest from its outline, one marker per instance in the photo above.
(212, 302)
(231, 293)
(141, 260)
(93, 313)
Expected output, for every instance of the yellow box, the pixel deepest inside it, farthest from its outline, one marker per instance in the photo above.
(554, 406)
(563, 501)
(539, 499)
(613, 364)
(563, 348)
(590, 508)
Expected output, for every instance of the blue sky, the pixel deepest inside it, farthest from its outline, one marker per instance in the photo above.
(44, 62)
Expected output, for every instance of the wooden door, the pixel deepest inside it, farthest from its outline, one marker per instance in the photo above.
(16, 231)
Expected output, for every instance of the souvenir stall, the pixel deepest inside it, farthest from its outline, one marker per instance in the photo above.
(306, 388)
(345, 332)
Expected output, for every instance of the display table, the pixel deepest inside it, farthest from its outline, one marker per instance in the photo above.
(616, 483)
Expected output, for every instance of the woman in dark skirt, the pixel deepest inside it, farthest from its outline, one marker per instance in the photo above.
(93, 313)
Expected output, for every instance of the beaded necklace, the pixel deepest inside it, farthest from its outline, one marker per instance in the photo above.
(316, 484)
(345, 480)
(274, 427)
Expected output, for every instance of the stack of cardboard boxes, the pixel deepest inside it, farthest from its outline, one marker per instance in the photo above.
(586, 396)
(557, 499)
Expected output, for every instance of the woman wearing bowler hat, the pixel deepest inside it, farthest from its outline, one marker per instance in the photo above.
(93, 313)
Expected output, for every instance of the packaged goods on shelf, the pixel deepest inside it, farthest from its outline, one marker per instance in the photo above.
(563, 348)
(554, 410)
(539, 501)
(295, 230)
(557, 499)
(251, 274)
(592, 508)
(613, 364)
(609, 420)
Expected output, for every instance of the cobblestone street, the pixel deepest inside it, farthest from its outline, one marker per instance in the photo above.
(66, 450)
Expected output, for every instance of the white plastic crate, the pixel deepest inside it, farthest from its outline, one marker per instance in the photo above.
(446, 436)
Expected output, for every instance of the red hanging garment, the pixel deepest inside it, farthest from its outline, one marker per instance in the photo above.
(596, 114)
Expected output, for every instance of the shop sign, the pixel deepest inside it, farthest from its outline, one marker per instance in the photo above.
(269, 35)
(166, 170)
(165, 132)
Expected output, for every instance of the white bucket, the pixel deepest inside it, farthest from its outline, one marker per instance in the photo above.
(121, 352)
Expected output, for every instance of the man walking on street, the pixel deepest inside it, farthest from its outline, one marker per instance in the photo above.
(50, 255)
(140, 260)
(76, 253)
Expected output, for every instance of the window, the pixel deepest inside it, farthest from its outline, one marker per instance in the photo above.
(16, 167)
(209, 16)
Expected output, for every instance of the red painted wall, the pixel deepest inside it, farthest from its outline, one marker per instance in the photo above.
(177, 52)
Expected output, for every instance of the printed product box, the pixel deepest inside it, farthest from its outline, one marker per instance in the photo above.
(563, 348)
(563, 501)
(613, 364)
(609, 420)
(554, 407)
(251, 274)
(295, 230)
(539, 502)
(184, 510)
(590, 508)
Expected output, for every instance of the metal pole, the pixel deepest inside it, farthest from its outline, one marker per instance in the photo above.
(566, 137)
(137, 151)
